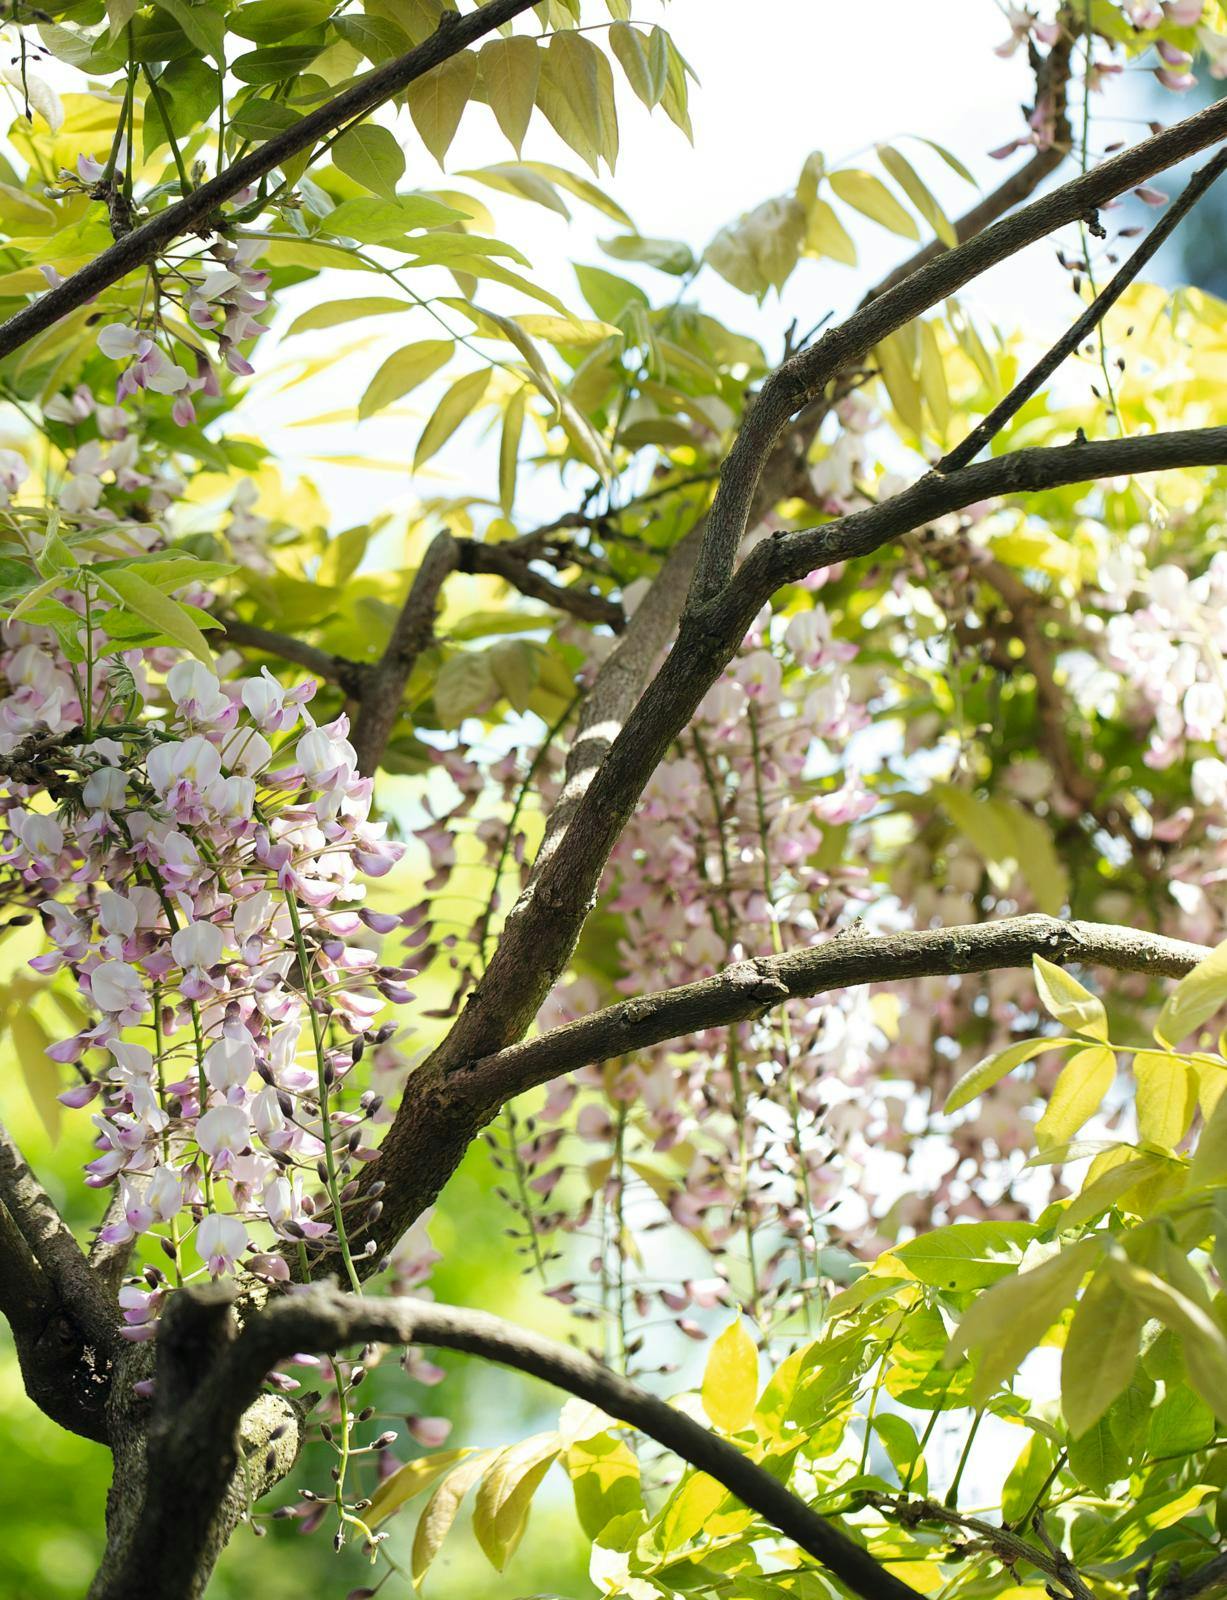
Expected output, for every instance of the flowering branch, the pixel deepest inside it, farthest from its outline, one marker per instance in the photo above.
(198, 210)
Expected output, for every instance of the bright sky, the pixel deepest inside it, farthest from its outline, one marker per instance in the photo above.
(777, 80)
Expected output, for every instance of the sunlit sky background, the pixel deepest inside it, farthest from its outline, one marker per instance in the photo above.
(777, 80)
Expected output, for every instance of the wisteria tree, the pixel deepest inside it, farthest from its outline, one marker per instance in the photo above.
(754, 812)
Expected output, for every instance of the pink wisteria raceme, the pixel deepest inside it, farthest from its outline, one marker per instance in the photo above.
(202, 878)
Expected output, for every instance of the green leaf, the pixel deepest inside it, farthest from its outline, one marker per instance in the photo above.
(666, 255)
(510, 69)
(1097, 1458)
(166, 616)
(410, 1479)
(604, 1476)
(515, 668)
(871, 197)
(271, 21)
(202, 25)
(968, 1255)
(1195, 999)
(384, 221)
(1065, 999)
(906, 176)
(1027, 1478)
(372, 156)
(993, 1068)
(262, 119)
(730, 1379)
(460, 400)
(331, 313)
(1004, 1325)
(1101, 1351)
(1077, 1094)
(404, 370)
(437, 101)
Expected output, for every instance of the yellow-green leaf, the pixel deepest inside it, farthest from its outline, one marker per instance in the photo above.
(647, 70)
(1166, 1097)
(1209, 1165)
(1077, 1094)
(871, 197)
(509, 450)
(825, 234)
(933, 379)
(1065, 999)
(463, 396)
(402, 371)
(501, 1513)
(730, 1381)
(1101, 1352)
(1195, 999)
(694, 1501)
(993, 1068)
(331, 313)
(906, 176)
(509, 70)
(440, 1511)
(896, 358)
(571, 94)
(437, 101)
(1202, 1340)
(1004, 1324)
(413, 1478)
(40, 1073)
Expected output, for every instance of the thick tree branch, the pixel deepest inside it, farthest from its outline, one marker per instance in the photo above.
(793, 554)
(750, 988)
(804, 377)
(412, 632)
(189, 1463)
(198, 210)
(63, 1325)
(322, 1319)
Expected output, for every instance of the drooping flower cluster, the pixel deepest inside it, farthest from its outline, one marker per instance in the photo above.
(201, 876)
